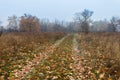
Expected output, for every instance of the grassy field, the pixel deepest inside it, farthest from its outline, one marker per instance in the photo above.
(17, 49)
(93, 56)
(101, 53)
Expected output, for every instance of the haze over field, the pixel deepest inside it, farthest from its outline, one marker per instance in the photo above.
(60, 40)
(58, 9)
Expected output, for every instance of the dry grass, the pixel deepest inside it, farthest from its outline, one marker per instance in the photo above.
(101, 53)
(99, 57)
(16, 49)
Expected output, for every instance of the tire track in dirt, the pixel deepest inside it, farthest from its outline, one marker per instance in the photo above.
(57, 65)
(20, 74)
(75, 44)
(77, 66)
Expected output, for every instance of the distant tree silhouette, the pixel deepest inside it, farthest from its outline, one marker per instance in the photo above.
(13, 23)
(1, 30)
(114, 23)
(83, 18)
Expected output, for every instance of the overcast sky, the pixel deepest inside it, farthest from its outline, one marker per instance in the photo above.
(59, 9)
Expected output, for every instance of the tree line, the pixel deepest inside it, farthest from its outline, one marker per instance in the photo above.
(82, 23)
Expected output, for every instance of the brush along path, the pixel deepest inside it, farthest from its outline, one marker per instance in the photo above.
(19, 74)
(57, 66)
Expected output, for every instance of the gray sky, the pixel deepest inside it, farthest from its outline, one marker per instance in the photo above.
(59, 9)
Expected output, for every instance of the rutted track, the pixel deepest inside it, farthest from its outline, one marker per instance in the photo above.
(20, 74)
(57, 65)
(61, 61)
(75, 44)
(77, 67)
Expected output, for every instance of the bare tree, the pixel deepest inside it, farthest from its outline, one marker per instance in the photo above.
(44, 25)
(114, 23)
(83, 18)
(1, 29)
(70, 27)
(13, 23)
(100, 26)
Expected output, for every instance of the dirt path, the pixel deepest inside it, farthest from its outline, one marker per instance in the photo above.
(61, 61)
(72, 57)
(75, 44)
(19, 74)
(77, 66)
(56, 66)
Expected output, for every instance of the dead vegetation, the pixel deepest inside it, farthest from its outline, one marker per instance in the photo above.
(101, 53)
(16, 49)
